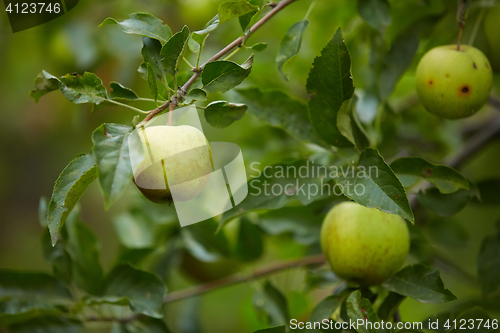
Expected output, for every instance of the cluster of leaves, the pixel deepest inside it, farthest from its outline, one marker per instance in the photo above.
(153, 245)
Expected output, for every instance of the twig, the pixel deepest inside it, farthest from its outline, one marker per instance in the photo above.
(238, 278)
(238, 41)
(461, 16)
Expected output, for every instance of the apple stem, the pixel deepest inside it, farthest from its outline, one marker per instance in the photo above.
(461, 17)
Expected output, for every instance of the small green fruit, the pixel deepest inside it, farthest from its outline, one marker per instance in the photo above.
(364, 245)
(180, 154)
(453, 84)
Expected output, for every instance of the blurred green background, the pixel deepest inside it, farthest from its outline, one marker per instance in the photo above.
(38, 140)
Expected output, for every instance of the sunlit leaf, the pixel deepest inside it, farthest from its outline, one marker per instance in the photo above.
(143, 24)
(221, 76)
(290, 45)
(221, 114)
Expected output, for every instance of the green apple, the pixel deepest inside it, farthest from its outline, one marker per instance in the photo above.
(173, 156)
(364, 245)
(491, 29)
(453, 84)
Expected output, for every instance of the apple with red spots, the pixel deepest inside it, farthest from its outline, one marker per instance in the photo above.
(453, 83)
(364, 245)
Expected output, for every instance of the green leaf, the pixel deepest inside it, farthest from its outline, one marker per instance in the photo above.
(30, 286)
(221, 76)
(247, 18)
(320, 279)
(272, 303)
(203, 243)
(421, 283)
(135, 230)
(475, 315)
(195, 95)
(232, 9)
(376, 13)
(83, 249)
(290, 45)
(349, 126)
(489, 191)
(120, 92)
(330, 83)
(57, 256)
(112, 157)
(259, 47)
(14, 311)
(143, 290)
(488, 262)
(445, 205)
(250, 244)
(48, 324)
(279, 110)
(397, 61)
(69, 187)
(174, 50)
(200, 35)
(143, 24)
(411, 169)
(151, 52)
(152, 84)
(288, 187)
(221, 114)
(43, 205)
(76, 88)
(147, 324)
(325, 308)
(389, 306)
(361, 308)
(373, 184)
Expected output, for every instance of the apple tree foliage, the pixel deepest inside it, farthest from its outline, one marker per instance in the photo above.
(337, 124)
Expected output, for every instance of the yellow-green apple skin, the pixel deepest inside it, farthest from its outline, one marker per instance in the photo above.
(364, 245)
(173, 155)
(453, 84)
(492, 31)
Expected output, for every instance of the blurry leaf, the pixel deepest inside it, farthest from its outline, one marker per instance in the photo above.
(421, 283)
(250, 243)
(376, 13)
(286, 186)
(195, 95)
(149, 325)
(135, 230)
(76, 88)
(259, 47)
(14, 311)
(152, 84)
(43, 205)
(277, 329)
(361, 308)
(203, 243)
(190, 309)
(448, 232)
(300, 221)
(232, 9)
(221, 76)
(381, 190)
(290, 45)
(143, 24)
(397, 60)
(57, 256)
(84, 252)
(320, 279)
(143, 290)
(389, 306)
(349, 126)
(367, 105)
(174, 50)
(473, 318)
(253, 17)
(221, 114)
(330, 83)
(151, 53)
(445, 205)
(488, 262)
(30, 286)
(325, 308)
(143, 71)
(489, 191)
(412, 169)
(111, 155)
(69, 187)
(120, 92)
(272, 303)
(134, 256)
(278, 109)
(48, 325)
(200, 35)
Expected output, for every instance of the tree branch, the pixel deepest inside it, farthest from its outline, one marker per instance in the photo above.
(238, 278)
(236, 43)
